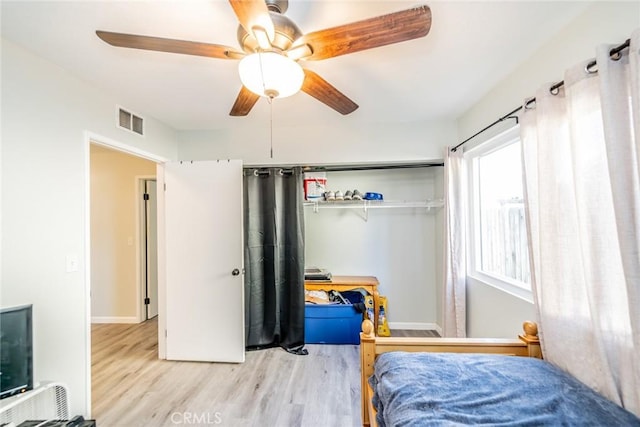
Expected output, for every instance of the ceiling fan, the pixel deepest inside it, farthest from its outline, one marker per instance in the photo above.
(272, 44)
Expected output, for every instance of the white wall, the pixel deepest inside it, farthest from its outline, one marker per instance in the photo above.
(397, 245)
(350, 142)
(492, 312)
(45, 112)
(115, 234)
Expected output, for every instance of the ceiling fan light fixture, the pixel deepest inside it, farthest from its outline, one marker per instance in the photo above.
(271, 74)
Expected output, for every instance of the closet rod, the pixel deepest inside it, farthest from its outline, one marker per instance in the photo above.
(613, 53)
(346, 168)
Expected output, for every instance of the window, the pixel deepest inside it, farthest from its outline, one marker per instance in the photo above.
(498, 247)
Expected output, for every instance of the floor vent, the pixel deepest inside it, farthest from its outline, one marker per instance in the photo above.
(129, 121)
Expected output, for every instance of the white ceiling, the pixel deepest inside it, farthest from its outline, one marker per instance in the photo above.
(471, 47)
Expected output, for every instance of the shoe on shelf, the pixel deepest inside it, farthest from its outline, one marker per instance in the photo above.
(356, 195)
(348, 195)
(339, 195)
(329, 195)
(372, 196)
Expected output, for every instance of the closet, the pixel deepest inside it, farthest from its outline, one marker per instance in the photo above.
(398, 240)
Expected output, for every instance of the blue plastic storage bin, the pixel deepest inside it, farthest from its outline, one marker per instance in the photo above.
(332, 324)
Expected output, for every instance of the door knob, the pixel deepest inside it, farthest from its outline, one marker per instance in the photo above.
(235, 272)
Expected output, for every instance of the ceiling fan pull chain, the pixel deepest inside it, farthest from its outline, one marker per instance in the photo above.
(271, 124)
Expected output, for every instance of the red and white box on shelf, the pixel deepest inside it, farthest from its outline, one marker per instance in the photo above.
(315, 184)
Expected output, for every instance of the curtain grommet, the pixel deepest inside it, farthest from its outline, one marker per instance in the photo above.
(530, 104)
(591, 67)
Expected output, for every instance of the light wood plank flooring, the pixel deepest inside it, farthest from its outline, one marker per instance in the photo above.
(131, 387)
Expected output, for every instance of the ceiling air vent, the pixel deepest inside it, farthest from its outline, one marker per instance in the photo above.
(129, 121)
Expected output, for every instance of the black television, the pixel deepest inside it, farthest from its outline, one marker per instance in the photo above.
(16, 350)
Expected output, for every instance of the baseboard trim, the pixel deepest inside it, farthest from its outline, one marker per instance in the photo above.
(416, 326)
(109, 319)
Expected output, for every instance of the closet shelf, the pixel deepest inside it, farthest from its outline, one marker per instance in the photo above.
(365, 205)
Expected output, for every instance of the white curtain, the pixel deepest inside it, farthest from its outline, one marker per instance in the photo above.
(581, 155)
(455, 274)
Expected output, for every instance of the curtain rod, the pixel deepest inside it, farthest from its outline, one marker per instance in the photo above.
(613, 53)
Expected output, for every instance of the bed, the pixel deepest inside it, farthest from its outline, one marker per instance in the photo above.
(445, 381)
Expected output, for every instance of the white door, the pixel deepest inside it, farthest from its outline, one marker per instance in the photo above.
(151, 249)
(203, 246)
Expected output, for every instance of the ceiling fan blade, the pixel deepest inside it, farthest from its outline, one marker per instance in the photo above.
(254, 16)
(374, 32)
(324, 92)
(169, 45)
(244, 102)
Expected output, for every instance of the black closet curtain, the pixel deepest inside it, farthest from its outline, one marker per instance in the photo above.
(274, 259)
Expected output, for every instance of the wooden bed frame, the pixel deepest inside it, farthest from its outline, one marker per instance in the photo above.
(371, 346)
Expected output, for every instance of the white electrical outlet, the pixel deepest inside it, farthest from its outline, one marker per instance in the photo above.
(72, 263)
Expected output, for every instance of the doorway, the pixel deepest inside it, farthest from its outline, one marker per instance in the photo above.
(95, 144)
(118, 237)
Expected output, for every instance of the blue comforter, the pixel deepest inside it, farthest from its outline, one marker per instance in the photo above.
(428, 389)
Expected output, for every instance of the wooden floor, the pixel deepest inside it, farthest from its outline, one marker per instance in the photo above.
(131, 387)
